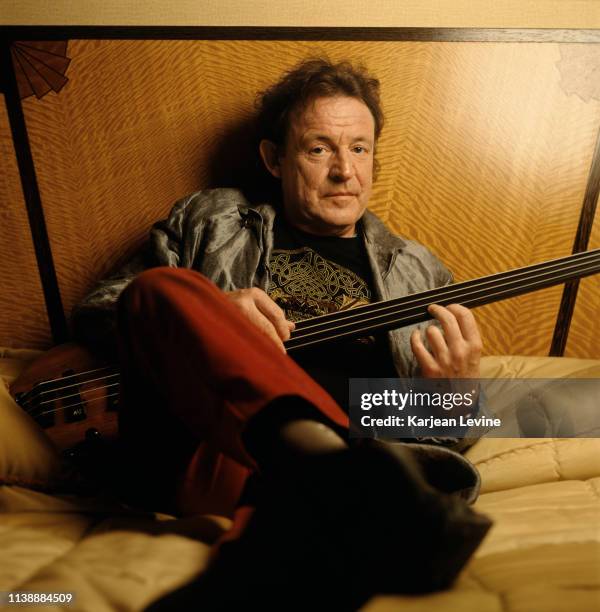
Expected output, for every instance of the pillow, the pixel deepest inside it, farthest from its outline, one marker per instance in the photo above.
(27, 456)
(507, 463)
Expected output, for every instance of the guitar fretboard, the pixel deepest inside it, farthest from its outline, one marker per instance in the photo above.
(412, 309)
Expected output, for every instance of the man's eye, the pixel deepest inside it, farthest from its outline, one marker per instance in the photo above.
(318, 150)
(359, 149)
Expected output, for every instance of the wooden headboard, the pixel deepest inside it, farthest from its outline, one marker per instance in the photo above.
(489, 156)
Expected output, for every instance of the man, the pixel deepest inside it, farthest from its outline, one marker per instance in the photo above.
(216, 358)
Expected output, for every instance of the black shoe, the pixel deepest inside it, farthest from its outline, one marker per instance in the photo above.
(446, 470)
(411, 538)
(343, 527)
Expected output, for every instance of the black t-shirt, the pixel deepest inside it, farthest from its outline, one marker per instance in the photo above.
(316, 275)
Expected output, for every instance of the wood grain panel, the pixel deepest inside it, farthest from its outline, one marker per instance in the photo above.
(23, 318)
(484, 157)
(584, 333)
(487, 165)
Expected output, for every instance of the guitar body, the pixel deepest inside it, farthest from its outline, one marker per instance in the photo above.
(71, 395)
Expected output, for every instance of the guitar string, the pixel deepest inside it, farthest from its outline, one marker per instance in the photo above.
(445, 290)
(353, 329)
(95, 399)
(417, 312)
(396, 322)
(509, 275)
(64, 387)
(392, 304)
(34, 414)
(66, 397)
(301, 337)
(458, 294)
(36, 388)
(383, 307)
(39, 387)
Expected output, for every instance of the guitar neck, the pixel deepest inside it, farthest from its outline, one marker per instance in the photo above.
(412, 309)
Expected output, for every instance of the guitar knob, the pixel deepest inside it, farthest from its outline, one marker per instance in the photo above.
(70, 454)
(92, 434)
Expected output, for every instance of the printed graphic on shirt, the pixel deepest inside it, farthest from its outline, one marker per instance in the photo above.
(305, 284)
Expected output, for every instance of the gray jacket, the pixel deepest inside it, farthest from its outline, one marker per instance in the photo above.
(218, 233)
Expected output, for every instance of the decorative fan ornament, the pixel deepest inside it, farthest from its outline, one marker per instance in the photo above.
(40, 66)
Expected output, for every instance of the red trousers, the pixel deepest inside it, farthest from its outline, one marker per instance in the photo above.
(194, 371)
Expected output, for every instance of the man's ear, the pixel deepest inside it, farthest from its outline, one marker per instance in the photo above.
(270, 157)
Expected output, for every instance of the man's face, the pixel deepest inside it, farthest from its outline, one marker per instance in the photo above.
(326, 170)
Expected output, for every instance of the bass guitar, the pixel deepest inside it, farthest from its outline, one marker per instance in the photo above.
(72, 396)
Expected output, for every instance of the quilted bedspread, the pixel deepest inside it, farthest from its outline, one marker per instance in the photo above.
(542, 554)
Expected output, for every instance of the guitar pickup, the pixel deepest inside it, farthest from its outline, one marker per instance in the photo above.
(73, 403)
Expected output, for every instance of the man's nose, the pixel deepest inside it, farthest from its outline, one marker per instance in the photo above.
(342, 168)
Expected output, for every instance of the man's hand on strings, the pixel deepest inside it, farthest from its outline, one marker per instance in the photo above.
(454, 352)
(263, 312)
